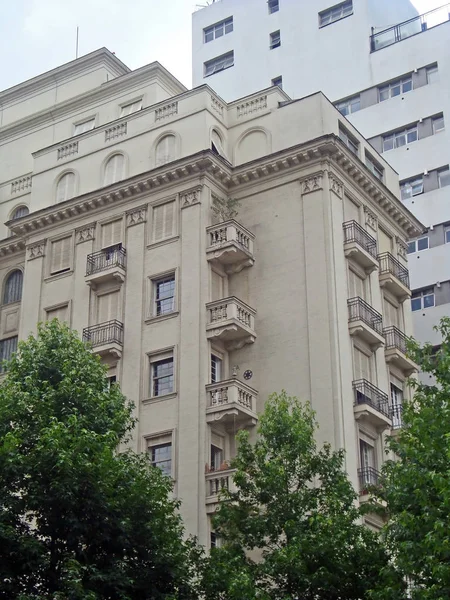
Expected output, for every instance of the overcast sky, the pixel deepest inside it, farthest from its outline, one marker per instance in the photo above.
(38, 35)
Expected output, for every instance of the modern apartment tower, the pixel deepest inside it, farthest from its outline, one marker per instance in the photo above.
(385, 67)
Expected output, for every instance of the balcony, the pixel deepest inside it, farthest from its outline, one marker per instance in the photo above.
(215, 483)
(231, 321)
(232, 403)
(106, 265)
(365, 322)
(371, 405)
(394, 276)
(396, 351)
(360, 246)
(105, 338)
(230, 245)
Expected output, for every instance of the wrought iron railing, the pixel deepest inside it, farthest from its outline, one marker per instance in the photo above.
(389, 264)
(359, 310)
(366, 393)
(353, 232)
(397, 416)
(368, 476)
(395, 339)
(115, 256)
(104, 333)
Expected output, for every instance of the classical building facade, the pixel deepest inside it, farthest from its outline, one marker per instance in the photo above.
(115, 189)
(390, 75)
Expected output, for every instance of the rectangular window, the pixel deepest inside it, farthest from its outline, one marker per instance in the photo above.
(418, 245)
(400, 138)
(7, 348)
(217, 30)
(395, 88)
(162, 381)
(351, 143)
(367, 455)
(111, 380)
(161, 457)
(374, 167)
(275, 40)
(422, 300)
(163, 221)
(412, 187)
(273, 5)
(133, 107)
(164, 295)
(432, 74)
(60, 255)
(349, 106)
(438, 124)
(111, 234)
(84, 126)
(335, 13)
(447, 235)
(59, 312)
(108, 307)
(220, 63)
(216, 368)
(216, 458)
(444, 177)
(278, 81)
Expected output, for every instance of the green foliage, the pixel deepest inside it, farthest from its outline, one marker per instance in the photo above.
(225, 209)
(78, 518)
(417, 485)
(291, 531)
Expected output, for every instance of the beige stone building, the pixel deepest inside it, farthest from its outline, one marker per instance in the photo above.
(106, 189)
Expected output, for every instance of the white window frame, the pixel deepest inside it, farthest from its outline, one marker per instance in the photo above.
(213, 32)
(335, 13)
(131, 107)
(273, 6)
(414, 245)
(159, 439)
(83, 126)
(219, 63)
(411, 187)
(398, 135)
(434, 72)
(157, 357)
(444, 175)
(349, 106)
(438, 124)
(155, 281)
(216, 359)
(351, 142)
(275, 39)
(428, 293)
(390, 89)
(375, 168)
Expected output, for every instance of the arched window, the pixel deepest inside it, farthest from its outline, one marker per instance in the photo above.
(65, 188)
(114, 169)
(12, 291)
(20, 211)
(217, 144)
(165, 150)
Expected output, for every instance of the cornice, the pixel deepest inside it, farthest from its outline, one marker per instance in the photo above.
(11, 245)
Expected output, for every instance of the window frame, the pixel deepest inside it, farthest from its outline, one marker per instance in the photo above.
(334, 19)
(392, 85)
(81, 123)
(446, 171)
(3, 368)
(275, 39)
(159, 439)
(65, 176)
(416, 244)
(14, 216)
(157, 357)
(227, 57)
(433, 70)
(398, 134)
(421, 295)
(65, 271)
(410, 182)
(447, 234)
(216, 27)
(349, 140)
(18, 295)
(273, 6)
(152, 232)
(374, 167)
(57, 307)
(436, 120)
(155, 280)
(123, 107)
(123, 174)
(219, 359)
(349, 103)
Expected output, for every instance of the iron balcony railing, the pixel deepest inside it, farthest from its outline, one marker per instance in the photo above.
(395, 339)
(353, 232)
(389, 264)
(397, 416)
(366, 393)
(368, 476)
(115, 256)
(104, 333)
(406, 29)
(359, 310)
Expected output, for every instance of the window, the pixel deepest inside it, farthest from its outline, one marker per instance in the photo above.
(400, 138)
(395, 88)
(275, 40)
(217, 144)
(165, 150)
(216, 458)
(278, 81)
(128, 109)
(111, 380)
(412, 187)
(65, 188)
(374, 167)
(163, 221)
(214, 540)
(273, 6)
(12, 291)
(367, 458)
(84, 126)
(447, 234)
(423, 299)
(111, 235)
(444, 177)
(217, 30)
(349, 140)
(438, 124)
(432, 74)
(7, 348)
(164, 295)
(108, 307)
(418, 245)
(114, 169)
(349, 106)
(396, 403)
(60, 255)
(219, 64)
(216, 368)
(161, 457)
(335, 13)
(20, 211)
(162, 382)
(58, 312)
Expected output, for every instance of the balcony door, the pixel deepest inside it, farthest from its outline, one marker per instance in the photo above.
(111, 238)
(108, 307)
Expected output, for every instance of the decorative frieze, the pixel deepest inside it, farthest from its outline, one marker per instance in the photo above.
(115, 132)
(85, 234)
(190, 197)
(67, 150)
(36, 250)
(252, 106)
(137, 216)
(311, 184)
(402, 249)
(336, 185)
(166, 111)
(217, 106)
(371, 218)
(21, 184)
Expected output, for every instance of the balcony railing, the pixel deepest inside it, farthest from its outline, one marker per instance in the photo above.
(406, 29)
(230, 244)
(397, 416)
(389, 264)
(231, 401)
(367, 476)
(115, 256)
(359, 310)
(395, 339)
(110, 332)
(353, 232)
(366, 393)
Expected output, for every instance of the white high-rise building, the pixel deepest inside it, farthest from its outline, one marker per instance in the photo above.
(385, 67)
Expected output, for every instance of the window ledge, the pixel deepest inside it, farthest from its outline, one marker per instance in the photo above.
(12, 304)
(164, 317)
(59, 275)
(159, 398)
(174, 238)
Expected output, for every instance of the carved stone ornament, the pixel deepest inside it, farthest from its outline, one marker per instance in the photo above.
(402, 249)
(36, 250)
(85, 234)
(336, 185)
(311, 184)
(371, 219)
(190, 197)
(137, 216)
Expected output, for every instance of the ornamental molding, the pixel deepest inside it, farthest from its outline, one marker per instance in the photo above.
(85, 233)
(190, 197)
(336, 185)
(137, 216)
(371, 218)
(36, 250)
(313, 183)
(402, 248)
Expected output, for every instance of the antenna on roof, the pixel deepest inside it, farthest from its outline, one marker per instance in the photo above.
(76, 46)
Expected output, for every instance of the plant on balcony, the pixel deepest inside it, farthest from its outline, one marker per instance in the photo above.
(78, 518)
(294, 509)
(225, 209)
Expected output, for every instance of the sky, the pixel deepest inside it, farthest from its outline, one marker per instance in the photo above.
(38, 35)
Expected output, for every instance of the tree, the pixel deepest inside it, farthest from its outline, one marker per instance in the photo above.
(78, 518)
(416, 486)
(225, 209)
(291, 530)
